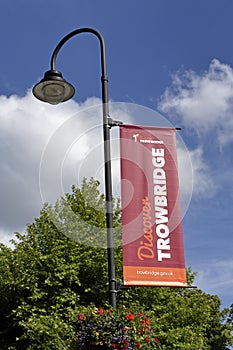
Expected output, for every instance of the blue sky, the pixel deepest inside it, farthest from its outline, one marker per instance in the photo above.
(174, 57)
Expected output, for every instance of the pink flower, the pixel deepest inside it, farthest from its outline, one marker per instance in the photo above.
(81, 316)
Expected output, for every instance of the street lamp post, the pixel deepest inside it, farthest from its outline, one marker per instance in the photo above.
(54, 89)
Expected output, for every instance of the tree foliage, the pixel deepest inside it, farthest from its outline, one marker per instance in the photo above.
(60, 265)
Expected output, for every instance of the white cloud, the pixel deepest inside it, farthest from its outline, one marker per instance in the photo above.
(25, 127)
(5, 236)
(204, 185)
(216, 277)
(194, 175)
(45, 149)
(203, 104)
(203, 101)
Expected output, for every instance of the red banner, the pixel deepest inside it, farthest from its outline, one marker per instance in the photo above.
(153, 250)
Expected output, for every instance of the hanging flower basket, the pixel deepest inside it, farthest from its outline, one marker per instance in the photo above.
(101, 329)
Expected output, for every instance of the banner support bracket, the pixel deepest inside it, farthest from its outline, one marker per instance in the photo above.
(112, 122)
(119, 286)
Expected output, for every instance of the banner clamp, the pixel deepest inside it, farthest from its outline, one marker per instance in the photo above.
(111, 122)
(119, 286)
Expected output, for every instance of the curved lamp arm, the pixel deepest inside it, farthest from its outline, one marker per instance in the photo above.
(54, 89)
(104, 77)
(74, 33)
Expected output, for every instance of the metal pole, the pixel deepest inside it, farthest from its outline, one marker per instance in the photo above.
(107, 123)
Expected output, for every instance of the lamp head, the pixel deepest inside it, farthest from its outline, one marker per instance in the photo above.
(53, 88)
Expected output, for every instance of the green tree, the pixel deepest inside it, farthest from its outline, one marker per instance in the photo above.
(230, 316)
(60, 266)
(186, 319)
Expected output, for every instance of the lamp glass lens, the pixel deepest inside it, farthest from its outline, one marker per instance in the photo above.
(54, 92)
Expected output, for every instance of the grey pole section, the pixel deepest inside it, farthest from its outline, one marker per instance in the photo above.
(107, 124)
